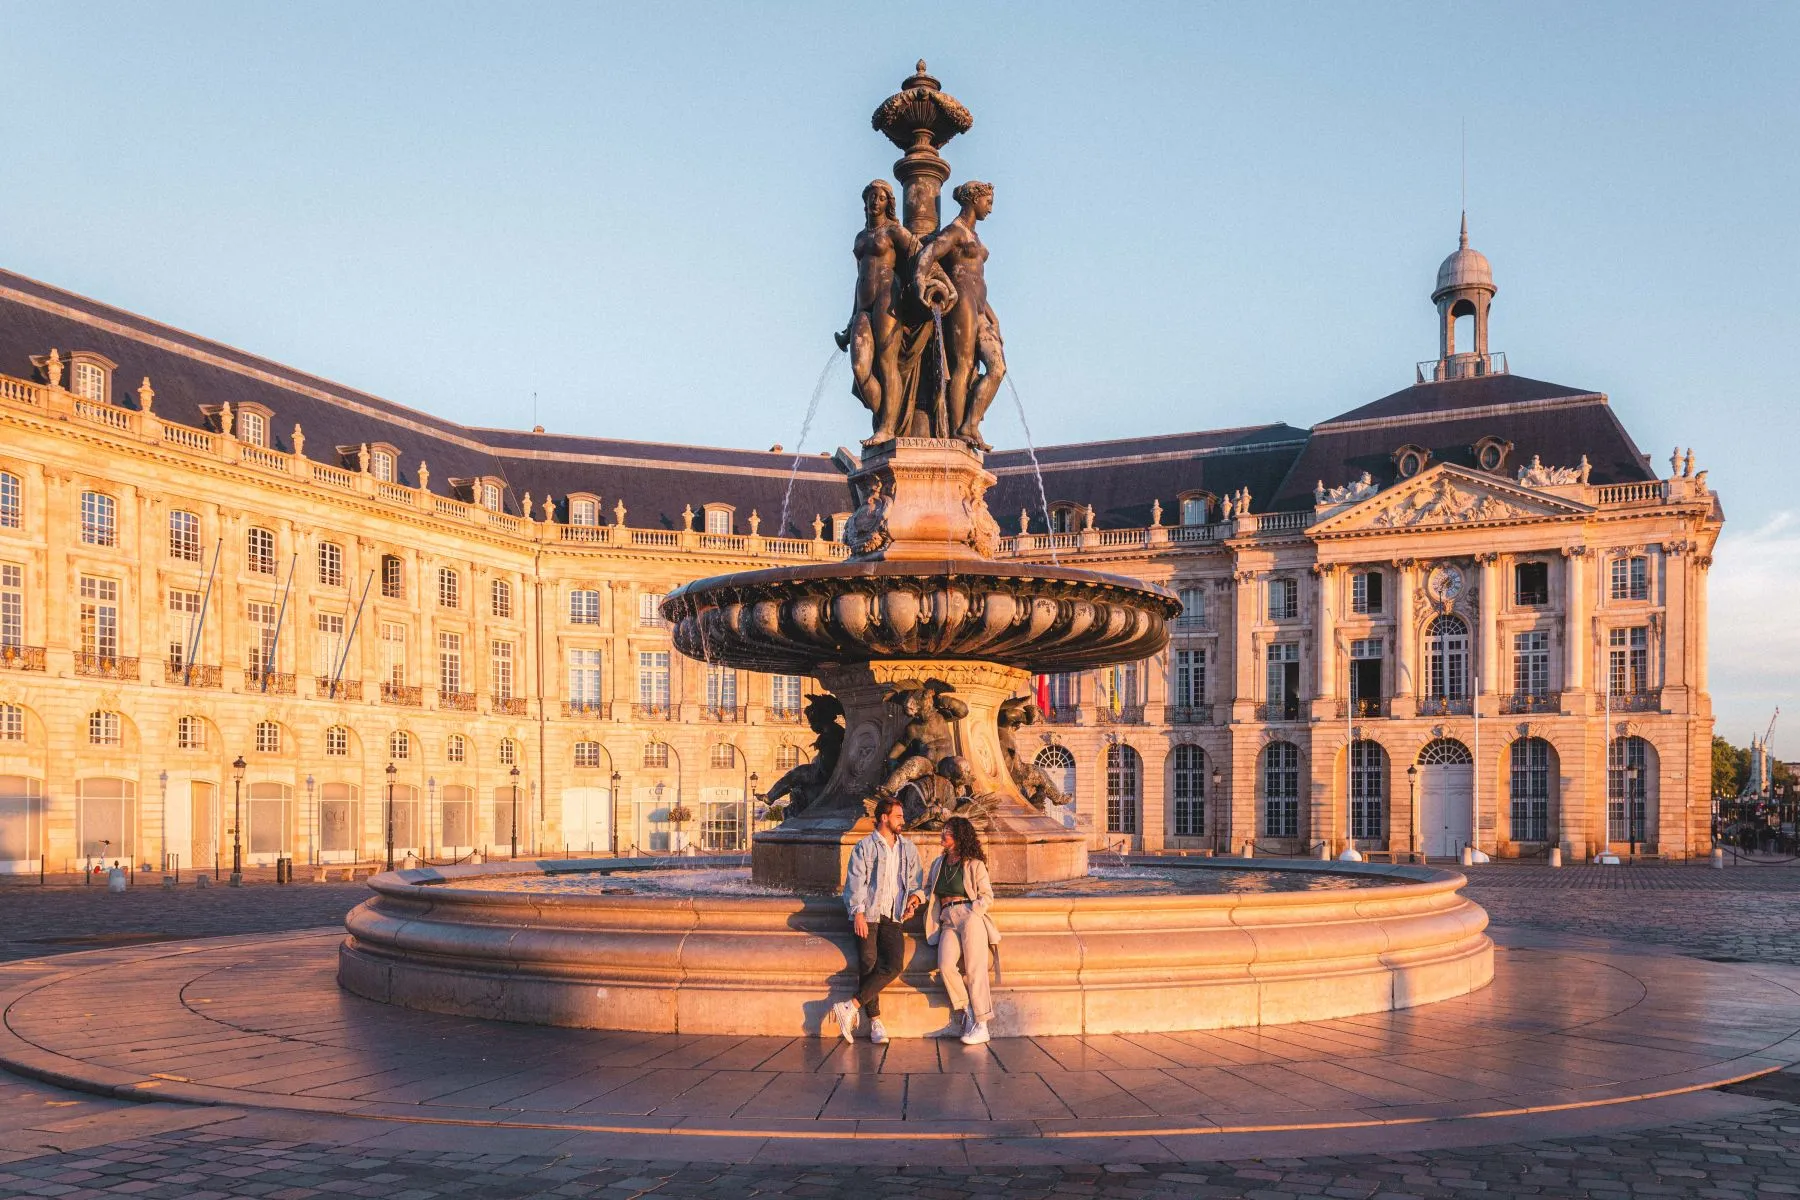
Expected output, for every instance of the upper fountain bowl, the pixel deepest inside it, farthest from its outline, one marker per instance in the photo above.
(791, 620)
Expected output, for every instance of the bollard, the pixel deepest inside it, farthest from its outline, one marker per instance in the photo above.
(203, 881)
(1324, 854)
(1556, 856)
(1250, 849)
(1468, 855)
(1718, 859)
(168, 883)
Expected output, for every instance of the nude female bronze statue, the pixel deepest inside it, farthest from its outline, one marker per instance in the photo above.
(952, 281)
(884, 250)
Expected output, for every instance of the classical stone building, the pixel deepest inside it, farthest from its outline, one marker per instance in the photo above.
(1470, 612)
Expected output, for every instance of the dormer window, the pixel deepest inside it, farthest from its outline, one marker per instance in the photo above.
(1490, 453)
(1065, 518)
(1194, 508)
(87, 379)
(253, 428)
(1409, 460)
(584, 510)
(718, 518)
(490, 496)
(381, 465)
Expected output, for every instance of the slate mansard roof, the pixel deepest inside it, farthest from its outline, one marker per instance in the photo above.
(1279, 463)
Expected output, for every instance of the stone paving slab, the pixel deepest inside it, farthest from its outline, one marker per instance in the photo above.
(258, 1021)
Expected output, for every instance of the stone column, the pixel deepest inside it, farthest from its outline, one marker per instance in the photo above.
(1153, 792)
(1243, 657)
(1490, 631)
(1405, 642)
(1677, 636)
(1700, 577)
(1575, 619)
(1324, 641)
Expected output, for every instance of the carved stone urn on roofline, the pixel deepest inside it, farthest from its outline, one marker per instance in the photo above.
(926, 643)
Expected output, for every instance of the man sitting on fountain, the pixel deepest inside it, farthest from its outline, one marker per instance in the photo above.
(882, 889)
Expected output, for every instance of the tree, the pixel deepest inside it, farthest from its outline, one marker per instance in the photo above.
(1730, 767)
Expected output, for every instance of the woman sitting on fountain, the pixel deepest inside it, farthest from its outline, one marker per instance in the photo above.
(957, 922)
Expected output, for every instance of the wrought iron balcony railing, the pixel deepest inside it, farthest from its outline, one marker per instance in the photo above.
(511, 706)
(1066, 715)
(653, 712)
(399, 693)
(1281, 710)
(1363, 706)
(275, 683)
(590, 709)
(1650, 701)
(22, 658)
(1125, 714)
(1529, 702)
(785, 716)
(343, 689)
(1445, 706)
(456, 701)
(106, 666)
(723, 714)
(191, 675)
(1190, 714)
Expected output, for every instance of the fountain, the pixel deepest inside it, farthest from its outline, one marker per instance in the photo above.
(925, 646)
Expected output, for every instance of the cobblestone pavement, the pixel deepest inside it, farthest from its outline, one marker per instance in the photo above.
(55, 1143)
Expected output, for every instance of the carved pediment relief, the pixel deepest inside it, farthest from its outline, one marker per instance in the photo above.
(1445, 495)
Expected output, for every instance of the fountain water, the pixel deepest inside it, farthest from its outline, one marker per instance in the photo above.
(1037, 472)
(926, 644)
(812, 407)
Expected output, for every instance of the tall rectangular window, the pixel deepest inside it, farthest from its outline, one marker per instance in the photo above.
(1193, 608)
(99, 519)
(331, 643)
(1193, 510)
(584, 677)
(1531, 584)
(1190, 791)
(501, 659)
(381, 466)
(259, 550)
(653, 680)
(331, 564)
(1190, 678)
(393, 653)
(1365, 592)
(1631, 578)
(99, 617)
(650, 608)
(784, 694)
(1284, 681)
(721, 688)
(1531, 790)
(584, 606)
(450, 673)
(184, 536)
(718, 521)
(449, 589)
(1628, 654)
(1365, 676)
(12, 502)
(1064, 690)
(1281, 790)
(393, 577)
(1368, 791)
(1284, 599)
(88, 380)
(253, 427)
(12, 605)
(502, 598)
(262, 636)
(1531, 663)
(184, 622)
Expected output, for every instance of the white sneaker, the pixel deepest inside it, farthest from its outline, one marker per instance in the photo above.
(845, 1014)
(956, 1027)
(977, 1035)
(968, 1021)
(877, 1031)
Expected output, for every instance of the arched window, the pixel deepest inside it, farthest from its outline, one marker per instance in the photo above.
(718, 520)
(1189, 763)
(190, 733)
(723, 756)
(1445, 752)
(331, 564)
(337, 817)
(104, 817)
(381, 466)
(337, 741)
(184, 536)
(502, 598)
(584, 511)
(99, 519)
(509, 752)
(456, 812)
(787, 757)
(268, 737)
(1368, 790)
(1123, 771)
(399, 744)
(271, 817)
(1064, 518)
(1447, 658)
(12, 726)
(21, 821)
(259, 550)
(1281, 790)
(656, 754)
(88, 380)
(490, 497)
(587, 755)
(104, 729)
(1628, 778)
(1059, 765)
(449, 588)
(1531, 790)
(457, 749)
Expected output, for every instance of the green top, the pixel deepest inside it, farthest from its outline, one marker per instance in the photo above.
(950, 884)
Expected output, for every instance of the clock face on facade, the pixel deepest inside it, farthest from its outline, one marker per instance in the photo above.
(1444, 583)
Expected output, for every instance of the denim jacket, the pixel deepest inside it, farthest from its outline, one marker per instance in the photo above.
(859, 882)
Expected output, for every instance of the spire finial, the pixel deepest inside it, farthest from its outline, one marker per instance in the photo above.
(1462, 240)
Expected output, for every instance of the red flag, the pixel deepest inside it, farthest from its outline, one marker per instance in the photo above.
(1043, 693)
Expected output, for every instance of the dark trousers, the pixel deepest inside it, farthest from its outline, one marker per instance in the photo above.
(879, 958)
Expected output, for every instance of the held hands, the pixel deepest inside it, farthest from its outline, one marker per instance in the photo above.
(912, 906)
(859, 924)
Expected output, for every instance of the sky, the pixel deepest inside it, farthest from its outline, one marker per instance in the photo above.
(635, 220)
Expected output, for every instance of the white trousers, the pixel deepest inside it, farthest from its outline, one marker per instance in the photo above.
(963, 955)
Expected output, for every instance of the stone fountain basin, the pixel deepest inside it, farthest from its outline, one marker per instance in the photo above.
(436, 939)
(1026, 615)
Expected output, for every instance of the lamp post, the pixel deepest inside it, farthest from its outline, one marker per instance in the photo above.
(1217, 778)
(1412, 806)
(237, 822)
(391, 769)
(1632, 774)
(431, 823)
(515, 810)
(612, 823)
(312, 830)
(749, 809)
(164, 777)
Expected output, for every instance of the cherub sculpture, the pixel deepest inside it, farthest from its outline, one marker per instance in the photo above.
(803, 785)
(1037, 786)
(928, 739)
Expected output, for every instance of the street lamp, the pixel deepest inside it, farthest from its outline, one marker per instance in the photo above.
(612, 823)
(431, 828)
(237, 822)
(1217, 778)
(391, 769)
(1632, 817)
(749, 810)
(515, 810)
(164, 777)
(1412, 806)
(312, 830)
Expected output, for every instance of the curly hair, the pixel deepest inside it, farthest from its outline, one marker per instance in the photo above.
(968, 842)
(882, 188)
(968, 193)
